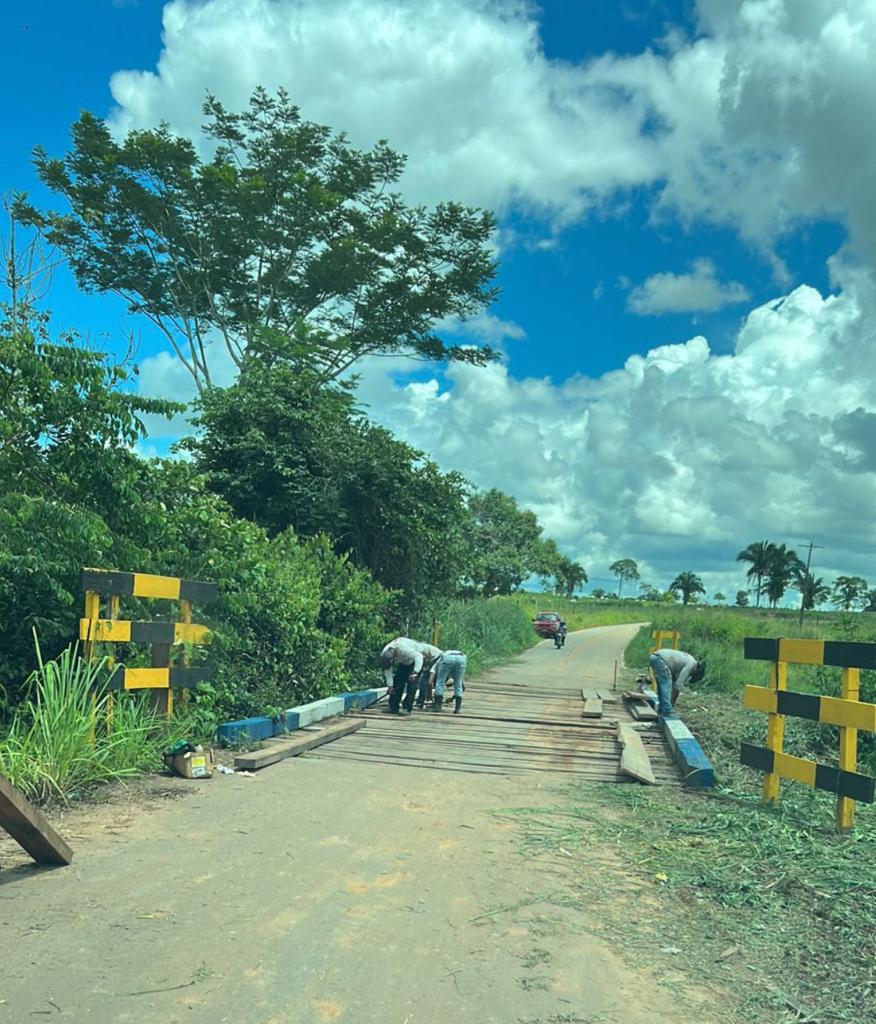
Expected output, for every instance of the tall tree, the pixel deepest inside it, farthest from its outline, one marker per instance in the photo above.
(507, 543)
(757, 554)
(688, 584)
(813, 590)
(741, 598)
(784, 566)
(849, 591)
(569, 576)
(286, 224)
(625, 569)
(285, 450)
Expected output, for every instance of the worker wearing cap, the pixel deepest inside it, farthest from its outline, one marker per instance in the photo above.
(402, 661)
(450, 664)
(673, 670)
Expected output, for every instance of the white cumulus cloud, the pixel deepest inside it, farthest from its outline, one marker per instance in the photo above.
(700, 291)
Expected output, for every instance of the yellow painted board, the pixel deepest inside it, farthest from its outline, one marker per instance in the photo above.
(156, 586)
(190, 633)
(147, 678)
(760, 698)
(850, 713)
(105, 630)
(801, 652)
(796, 768)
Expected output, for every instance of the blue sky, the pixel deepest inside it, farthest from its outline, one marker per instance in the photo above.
(663, 172)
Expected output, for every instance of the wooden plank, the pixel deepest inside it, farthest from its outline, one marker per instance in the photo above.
(29, 828)
(299, 744)
(634, 760)
(592, 708)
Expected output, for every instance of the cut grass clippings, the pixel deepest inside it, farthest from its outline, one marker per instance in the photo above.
(768, 904)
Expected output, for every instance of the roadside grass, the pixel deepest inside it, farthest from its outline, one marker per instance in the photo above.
(60, 741)
(769, 904)
(488, 630)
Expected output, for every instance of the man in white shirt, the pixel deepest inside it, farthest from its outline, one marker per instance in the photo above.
(402, 662)
(673, 670)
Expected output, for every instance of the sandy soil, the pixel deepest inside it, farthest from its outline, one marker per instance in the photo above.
(321, 891)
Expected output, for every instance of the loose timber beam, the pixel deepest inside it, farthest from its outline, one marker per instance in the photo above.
(29, 828)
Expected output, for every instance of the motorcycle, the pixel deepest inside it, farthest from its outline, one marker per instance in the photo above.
(560, 637)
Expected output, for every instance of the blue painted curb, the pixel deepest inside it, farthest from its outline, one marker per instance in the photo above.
(263, 728)
(696, 769)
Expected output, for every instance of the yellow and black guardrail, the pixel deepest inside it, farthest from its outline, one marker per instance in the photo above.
(847, 712)
(110, 587)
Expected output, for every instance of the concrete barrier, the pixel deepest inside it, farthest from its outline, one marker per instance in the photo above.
(248, 730)
(696, 769)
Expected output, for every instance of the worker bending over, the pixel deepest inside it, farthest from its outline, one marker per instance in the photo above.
(402, 662)
(673, 670)
(450, 664)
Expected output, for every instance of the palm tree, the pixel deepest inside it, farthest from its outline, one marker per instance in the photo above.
(689, 584)
(813, 590)
(758, 554)
(848, 591)
(782, 568)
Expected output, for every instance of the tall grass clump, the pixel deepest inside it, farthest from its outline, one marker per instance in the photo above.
(59, 740)
(488, 630)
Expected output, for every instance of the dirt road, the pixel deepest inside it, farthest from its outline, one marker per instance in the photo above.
(321, 891)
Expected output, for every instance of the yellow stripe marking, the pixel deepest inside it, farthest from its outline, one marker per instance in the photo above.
(801, 652)
(190, 633)
(851, 713)
(796, 768)
(156, 586)
(116, 631)
(759, 698)
(147, 678)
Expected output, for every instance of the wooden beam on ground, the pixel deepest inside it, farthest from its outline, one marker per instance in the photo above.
(300, 743)
(29, 828)
(592, 708)
(640, 707)
(634, 759)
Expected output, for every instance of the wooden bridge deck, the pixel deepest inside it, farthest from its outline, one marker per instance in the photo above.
(505, 728)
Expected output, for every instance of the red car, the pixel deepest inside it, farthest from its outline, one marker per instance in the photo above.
(547, 624)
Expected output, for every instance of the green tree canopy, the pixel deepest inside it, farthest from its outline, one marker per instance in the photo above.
(507, 543)
(286, 450)
(742, 599)
(813, 590)
(285, 224)
(783, 568)
(625, 569)
(849, 591)
(757, 554)
(688, 584)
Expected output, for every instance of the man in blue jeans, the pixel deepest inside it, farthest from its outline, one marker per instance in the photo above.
(450, 665)
(673, 670)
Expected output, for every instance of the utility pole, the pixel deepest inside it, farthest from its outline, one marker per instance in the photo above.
(812, 545)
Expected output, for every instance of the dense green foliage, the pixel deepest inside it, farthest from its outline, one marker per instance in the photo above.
(286, 225)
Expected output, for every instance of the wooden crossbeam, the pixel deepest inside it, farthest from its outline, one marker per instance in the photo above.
(592, 708)
(29, 828)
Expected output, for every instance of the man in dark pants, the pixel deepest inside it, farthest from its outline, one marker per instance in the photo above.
(402, 662)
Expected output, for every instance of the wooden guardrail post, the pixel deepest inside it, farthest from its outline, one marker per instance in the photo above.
(775, 736)
(848, 750)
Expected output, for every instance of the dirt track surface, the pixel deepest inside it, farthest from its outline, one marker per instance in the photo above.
(321, 891)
